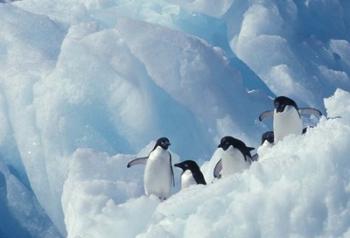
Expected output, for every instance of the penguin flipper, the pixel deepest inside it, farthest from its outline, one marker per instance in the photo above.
(141, 160)
(217, 169)
(307, 111)
(265, 115)
(199, 178)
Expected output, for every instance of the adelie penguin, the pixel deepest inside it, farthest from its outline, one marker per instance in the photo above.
(268, 136)
(158, 175)
(191, 174)
(287, 117)
(235, 157)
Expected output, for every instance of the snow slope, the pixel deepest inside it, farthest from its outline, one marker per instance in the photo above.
(294, 191)
(112, 75)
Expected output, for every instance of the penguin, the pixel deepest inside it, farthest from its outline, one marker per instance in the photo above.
(267, 136)
(159, 174)
(287, 118)
(236, 157)
(191, 174)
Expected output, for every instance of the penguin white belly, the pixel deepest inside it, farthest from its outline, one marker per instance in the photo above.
(286, 123)
(233, 162)
(187, 179)
(157, 177)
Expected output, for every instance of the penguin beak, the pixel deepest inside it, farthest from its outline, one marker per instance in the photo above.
(178, 165)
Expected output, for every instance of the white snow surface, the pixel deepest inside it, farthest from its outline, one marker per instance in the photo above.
(299, 188)
(84, 83)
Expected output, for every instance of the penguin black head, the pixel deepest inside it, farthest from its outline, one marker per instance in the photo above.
(228, 141)
(194, 168)
(281, 102)
(269, 136)
(162, 142)
(188, 165)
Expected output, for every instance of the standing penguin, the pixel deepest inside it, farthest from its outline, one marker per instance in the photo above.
(159, 174)
(191, 174)
(235, 157)
(287, 117)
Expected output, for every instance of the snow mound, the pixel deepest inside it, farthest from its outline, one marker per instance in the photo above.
(294, 191)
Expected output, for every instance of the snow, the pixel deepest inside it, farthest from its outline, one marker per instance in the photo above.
(85, 85)
(293, 190)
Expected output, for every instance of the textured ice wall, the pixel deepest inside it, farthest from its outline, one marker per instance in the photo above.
(27, 53)
(91, 82)
(293, 45)
(114, 91)
(21, 214)
(69, 81)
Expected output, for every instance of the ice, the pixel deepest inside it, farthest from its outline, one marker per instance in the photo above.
(28, 54)
(276, 37)
(104, 198)
(102, 103)
(293, 190)
(210, 8)
(101, 87)
(82, 80)
(21, 214)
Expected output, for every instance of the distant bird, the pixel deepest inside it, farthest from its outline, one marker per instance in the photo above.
(287, 117)
(159, 174)
(235, 158)
(191, 174)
